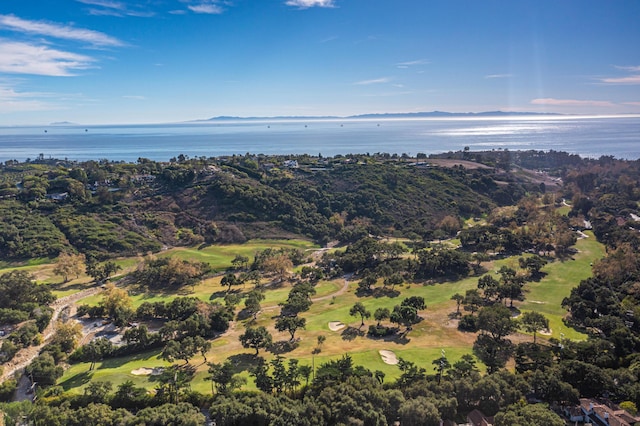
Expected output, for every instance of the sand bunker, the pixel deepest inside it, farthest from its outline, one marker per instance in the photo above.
(144, 371)
(545, 332)
(388, 357)
(336, 326)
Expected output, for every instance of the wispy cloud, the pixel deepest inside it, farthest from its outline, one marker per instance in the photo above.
(571, 102)
(116, 8)
(633, 78)
(134, 97)
(55, 30)
(408, 64)
(373, 81)
(12, 100)
(491, 76)
(631, 103)
(629, 68)
(24, 58)
(306, 4)
(208, 7)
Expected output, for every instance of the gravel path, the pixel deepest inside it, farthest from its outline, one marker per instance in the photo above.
(26, 355)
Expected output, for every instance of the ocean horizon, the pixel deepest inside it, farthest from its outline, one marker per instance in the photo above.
(592, 137)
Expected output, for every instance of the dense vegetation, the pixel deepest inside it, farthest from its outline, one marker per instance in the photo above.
(354, 200)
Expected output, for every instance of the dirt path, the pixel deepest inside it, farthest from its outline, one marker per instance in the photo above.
(26, 355)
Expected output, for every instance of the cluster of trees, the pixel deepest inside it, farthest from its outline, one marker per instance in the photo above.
(170, 273)
(23, 301)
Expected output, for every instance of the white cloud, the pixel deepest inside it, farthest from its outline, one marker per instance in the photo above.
(408, 64)
(210, 9)
(306, 4)
(629, 68)
(631, 79)
(634, 78)
(96, 38)
(134, 97)
(115, 8)
(24, 58)
(13, 101)
(374, 81)
(571, 102)
(490, 76)
(631, 103)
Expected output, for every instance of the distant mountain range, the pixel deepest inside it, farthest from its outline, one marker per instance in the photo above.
(436, 114)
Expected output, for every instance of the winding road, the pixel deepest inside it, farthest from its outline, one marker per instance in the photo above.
(26, 355)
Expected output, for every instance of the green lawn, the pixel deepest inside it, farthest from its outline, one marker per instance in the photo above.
(422, 344)
(546, 295)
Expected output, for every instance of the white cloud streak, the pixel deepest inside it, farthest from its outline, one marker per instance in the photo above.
(12, 101)
(571, 102)
(24, 58)
(306, 4)
(634, 78)
(492, 76)
(210, 9)
(114, 8)
(373, 81)
(408, 64)
(65, 32)
(631, 79)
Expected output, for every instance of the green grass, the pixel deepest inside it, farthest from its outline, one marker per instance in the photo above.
(115, 370)
(546, 295)
(422, 345)
(220, 256)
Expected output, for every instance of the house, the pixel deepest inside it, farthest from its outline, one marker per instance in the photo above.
(291, 164)
(601, 413)
(60, 196)
(477, 418)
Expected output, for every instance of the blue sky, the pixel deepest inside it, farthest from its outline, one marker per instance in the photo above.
(150, 61)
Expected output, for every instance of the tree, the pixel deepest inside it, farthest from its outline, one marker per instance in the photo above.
(44, 371)
(67, 335)
(496, 321)
(415, 301)
(528, 414)
(489, 287)
(101, 273)
(240, 262)
(441, 365)
(367, 281)
(490, 346)
(458, 299)
(96, 350)
(229, 280)
(418, 411)
(533, 322)
(256, 338)
(278, 265)
(393, 280)
(533, 264)
(359, 309)
(252, 302)
(117, 304)
(69, 264)
(472, 300)
(223, 377)
(404, 315)
(381, 314)
(290, 324)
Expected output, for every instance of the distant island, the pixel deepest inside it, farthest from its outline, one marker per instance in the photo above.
(434, 114)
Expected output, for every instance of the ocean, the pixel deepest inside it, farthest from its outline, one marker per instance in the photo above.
(586, 136)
